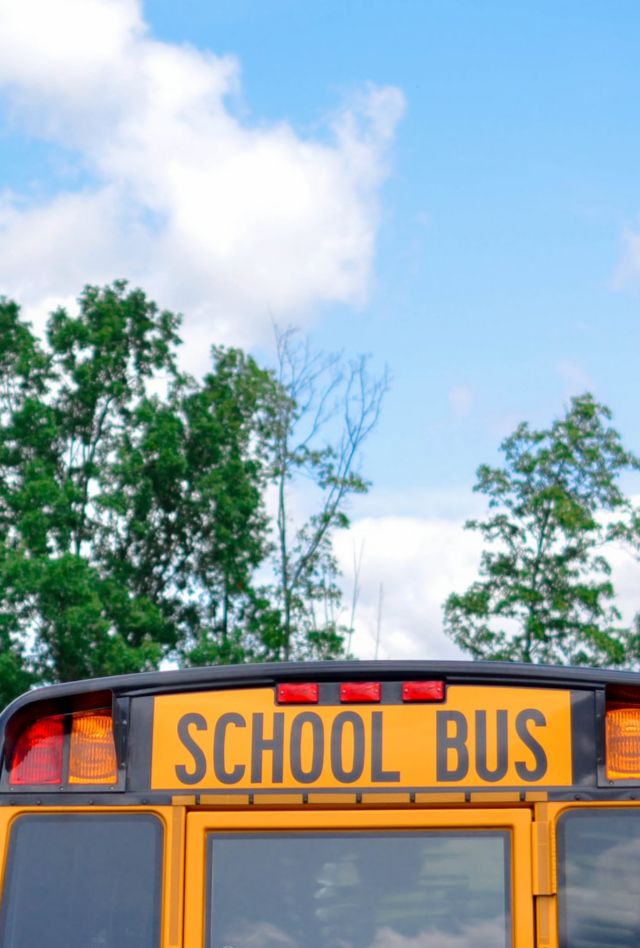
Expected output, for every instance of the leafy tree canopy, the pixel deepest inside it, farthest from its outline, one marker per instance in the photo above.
(133, 519)
(131, 497)
(544, 592)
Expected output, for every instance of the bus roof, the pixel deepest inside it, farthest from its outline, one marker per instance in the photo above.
(266, 674)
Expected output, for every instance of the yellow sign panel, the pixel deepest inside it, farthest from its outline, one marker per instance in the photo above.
(479, 737)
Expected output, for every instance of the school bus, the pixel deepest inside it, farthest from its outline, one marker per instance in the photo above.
(325, 805)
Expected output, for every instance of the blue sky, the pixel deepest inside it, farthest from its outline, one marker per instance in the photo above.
(472, 223)
(515, 175)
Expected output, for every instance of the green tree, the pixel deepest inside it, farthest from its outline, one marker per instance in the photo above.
(133, 523)
(545, 593)
(131, 496)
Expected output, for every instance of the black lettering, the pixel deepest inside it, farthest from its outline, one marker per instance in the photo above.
(317, 756)
(539, 770)
(260, 744)
(456, 742)
(377, 773)
(219, 764)
(502, 747)
(199, 760)
(337, 764)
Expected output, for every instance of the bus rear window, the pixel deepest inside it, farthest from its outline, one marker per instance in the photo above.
(598, 872)
(391, 890)
(83, 881)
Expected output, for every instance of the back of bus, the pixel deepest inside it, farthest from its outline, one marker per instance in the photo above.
(342, 805)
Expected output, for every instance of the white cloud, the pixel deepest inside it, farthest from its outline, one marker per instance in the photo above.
(625, 575)
(453, 503)
(229, 221)
(419, 560)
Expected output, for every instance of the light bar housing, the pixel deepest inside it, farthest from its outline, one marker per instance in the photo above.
(76, 749)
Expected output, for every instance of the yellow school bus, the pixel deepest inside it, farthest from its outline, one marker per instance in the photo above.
(324, 805)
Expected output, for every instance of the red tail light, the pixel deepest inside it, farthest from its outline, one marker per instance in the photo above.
(37, 756)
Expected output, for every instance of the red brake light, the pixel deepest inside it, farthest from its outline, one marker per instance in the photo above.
(307, 693)
(423, 691)
(361, 691)
(37, 756)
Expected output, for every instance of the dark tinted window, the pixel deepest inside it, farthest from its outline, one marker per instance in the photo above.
(599, 876)
(77, 881)
(430, 890)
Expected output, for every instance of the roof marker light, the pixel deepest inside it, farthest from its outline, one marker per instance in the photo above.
(307, 693)
(37, 756)
(423, 691)
(361, 691)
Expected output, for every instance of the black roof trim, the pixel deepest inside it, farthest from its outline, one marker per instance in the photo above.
(268, 674)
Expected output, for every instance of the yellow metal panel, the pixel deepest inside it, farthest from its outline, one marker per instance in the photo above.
(199, 824)
(386, 799)
(545, 836)
(278, 799)
(173, 870)
(331, 799)
(495, 796)
(6, 817)
(541, 853)
(479, 737)
(552, 812)
(546, 921)
(536, 796)
(224, 799)
(434, 798)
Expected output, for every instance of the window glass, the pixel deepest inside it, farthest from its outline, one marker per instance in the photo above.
(429, 890)
(598, 874)
(75, 881)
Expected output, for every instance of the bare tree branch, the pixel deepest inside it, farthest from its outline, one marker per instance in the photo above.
(327, 409)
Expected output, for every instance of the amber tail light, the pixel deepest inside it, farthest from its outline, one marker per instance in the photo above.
(623, 743)
(92, 754)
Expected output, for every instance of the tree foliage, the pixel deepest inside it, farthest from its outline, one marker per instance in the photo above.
(130, 521)
(324, 410)
(545, 592)
(133, 518)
